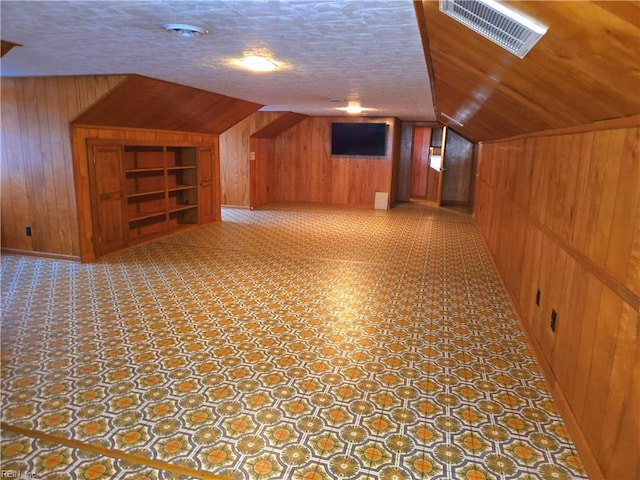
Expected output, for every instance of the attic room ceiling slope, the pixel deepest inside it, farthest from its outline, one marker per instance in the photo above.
(585, 69)
(365, 51)
(6, 47)
(279, 125)
(141, 102)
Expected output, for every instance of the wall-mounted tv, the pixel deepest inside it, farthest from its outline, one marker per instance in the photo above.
(359, 139)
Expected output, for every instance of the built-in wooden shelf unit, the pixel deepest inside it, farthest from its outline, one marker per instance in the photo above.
(140, 192)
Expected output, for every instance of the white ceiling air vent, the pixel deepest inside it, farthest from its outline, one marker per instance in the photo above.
(511, 30)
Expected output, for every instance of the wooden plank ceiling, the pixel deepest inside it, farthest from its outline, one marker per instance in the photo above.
(279, 125)
(585, 69)
(142, 102)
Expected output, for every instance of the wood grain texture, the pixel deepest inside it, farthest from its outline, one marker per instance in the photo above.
(306, 172)
(278, 125)
(584, 69)
(235, 154)
(402, 176)
(619, 451)
(402, 180)
(37, 165)
(456, 185)
(142, 102)
(108, 199)
(420, 163)
(262, 160)
(559, 214)
(208, 183)
(80, 135)
(5, 47)
(262, 171)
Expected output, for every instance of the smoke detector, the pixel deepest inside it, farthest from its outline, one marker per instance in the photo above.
(182, 30)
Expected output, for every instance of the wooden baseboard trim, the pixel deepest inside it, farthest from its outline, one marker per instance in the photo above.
(238, 207)
(32, 253)
(587, 457)
(149, 462)
(345, 206)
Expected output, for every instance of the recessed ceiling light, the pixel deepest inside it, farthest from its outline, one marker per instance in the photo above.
(183, 30)
(354, 108)
(257, 63)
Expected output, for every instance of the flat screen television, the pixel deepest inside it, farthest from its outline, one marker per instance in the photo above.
(359, 139)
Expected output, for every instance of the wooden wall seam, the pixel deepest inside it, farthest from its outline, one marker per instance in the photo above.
(306, 172)
(600, 273)
(235, 158)
(561, 215)
(37, 165)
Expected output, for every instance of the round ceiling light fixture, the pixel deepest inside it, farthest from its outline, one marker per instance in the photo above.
(354, 108)
(183, 30)
(257, 63)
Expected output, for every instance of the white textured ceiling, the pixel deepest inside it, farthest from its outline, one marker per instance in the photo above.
(368, 51)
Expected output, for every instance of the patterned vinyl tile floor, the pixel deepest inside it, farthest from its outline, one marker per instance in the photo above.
(293, 342)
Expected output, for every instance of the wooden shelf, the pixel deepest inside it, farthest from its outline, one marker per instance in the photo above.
(143, 216)
(163, 183)
(159, 187)
(176, 188)
(182, 167)
(159, 170)
(144, 193)
(180, 208)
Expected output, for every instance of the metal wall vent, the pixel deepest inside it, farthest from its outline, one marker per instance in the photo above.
(511, 30)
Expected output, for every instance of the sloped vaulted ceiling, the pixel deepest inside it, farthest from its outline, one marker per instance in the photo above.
(585, 69)
(142, 102)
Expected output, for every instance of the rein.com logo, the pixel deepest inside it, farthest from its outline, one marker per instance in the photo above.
(16, 474)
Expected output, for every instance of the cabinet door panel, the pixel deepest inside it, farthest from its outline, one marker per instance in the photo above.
(206, 188)
(108, 198)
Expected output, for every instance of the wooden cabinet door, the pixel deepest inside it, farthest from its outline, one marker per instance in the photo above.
(106, 181)
(207, 186)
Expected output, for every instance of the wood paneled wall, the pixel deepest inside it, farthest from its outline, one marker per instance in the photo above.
(402, 180)
(305, 171)
(80, 134)
(422, 175)
(560, 214)
(262, 165)
(263, 174)
(456, 186)
(235, 158)
(396, 159)
(37, 165)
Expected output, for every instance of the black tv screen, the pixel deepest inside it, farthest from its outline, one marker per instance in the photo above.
(360, 139)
